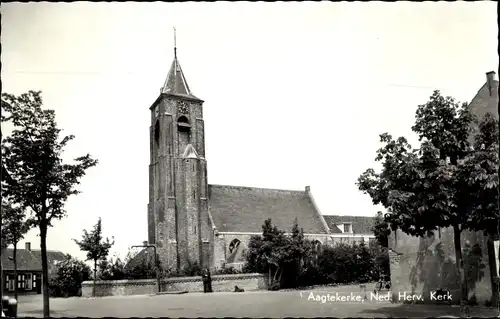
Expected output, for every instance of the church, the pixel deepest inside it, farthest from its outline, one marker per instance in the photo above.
(191, 221)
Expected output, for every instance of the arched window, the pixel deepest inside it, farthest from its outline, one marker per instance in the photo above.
(157, 133)
(183, 124)
(233, 245)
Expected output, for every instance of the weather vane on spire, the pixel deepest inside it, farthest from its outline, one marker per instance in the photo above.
(175, 43)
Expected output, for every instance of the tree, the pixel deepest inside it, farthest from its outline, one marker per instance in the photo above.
(96, 247)
(69, 275)
(381, 258)
(14, 227)
(294, 253)
(277, 254)
(480, 171)
(32, 154)
(141, 265)
(441, 183)
(113, 269)
(255, 260)
(381, 230)
(364, 263)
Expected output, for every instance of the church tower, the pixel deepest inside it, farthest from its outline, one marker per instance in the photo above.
(178, 220)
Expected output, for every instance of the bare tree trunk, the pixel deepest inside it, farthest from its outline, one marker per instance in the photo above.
(460, 267)
(45, 270)
(493, 274)
(269, 277)
(276, 273)
(15, 270)
(95, 278)
(279, 277)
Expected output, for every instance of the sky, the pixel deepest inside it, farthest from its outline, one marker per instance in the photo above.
(296, 94)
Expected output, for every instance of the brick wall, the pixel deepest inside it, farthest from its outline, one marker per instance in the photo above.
(248, 282)
(422, 265)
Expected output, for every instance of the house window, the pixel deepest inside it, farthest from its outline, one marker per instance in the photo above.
(347, 228)
(29, 282)
(7, 282)
(34, 281)
(20, 282)
(12, 283)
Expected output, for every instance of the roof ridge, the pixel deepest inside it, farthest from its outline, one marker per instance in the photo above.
(477, 93)
(349, 216)
(259, 188)
(39, 250)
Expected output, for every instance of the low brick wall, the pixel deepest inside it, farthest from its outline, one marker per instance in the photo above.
(248, 282)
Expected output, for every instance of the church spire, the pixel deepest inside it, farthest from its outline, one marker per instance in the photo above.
(176, 83)
(175, 44)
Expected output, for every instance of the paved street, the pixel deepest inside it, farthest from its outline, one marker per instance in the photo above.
(247, 304)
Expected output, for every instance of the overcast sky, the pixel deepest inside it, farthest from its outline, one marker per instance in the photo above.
(295, 94)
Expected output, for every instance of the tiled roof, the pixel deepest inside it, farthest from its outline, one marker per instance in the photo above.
(483, 103)
(176, 83)
(144, 255)
(25, 260)
(244, 209)
(52, 255)
(360, 224)
(331, 224)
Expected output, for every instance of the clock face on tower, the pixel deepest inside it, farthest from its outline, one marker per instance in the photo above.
(156, 111)
(182, 107)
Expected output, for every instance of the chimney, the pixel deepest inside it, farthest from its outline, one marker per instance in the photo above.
(144, 243)
(490, 78)
(27, 246)
(308, 189)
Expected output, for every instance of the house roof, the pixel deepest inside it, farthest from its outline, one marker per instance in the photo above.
(176, 83)
(29, 259)
(143, 255)
(244, 209)
(25, 260)
(52, 255)
(483, 102)
(332, 224)
(360, 224)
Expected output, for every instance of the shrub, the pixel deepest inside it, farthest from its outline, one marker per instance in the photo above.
(191, 270)
(112, 270)
(381, 259)
(142, 266)
(293, 261)
(68, 277)
(256, 262)
(227, 271)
